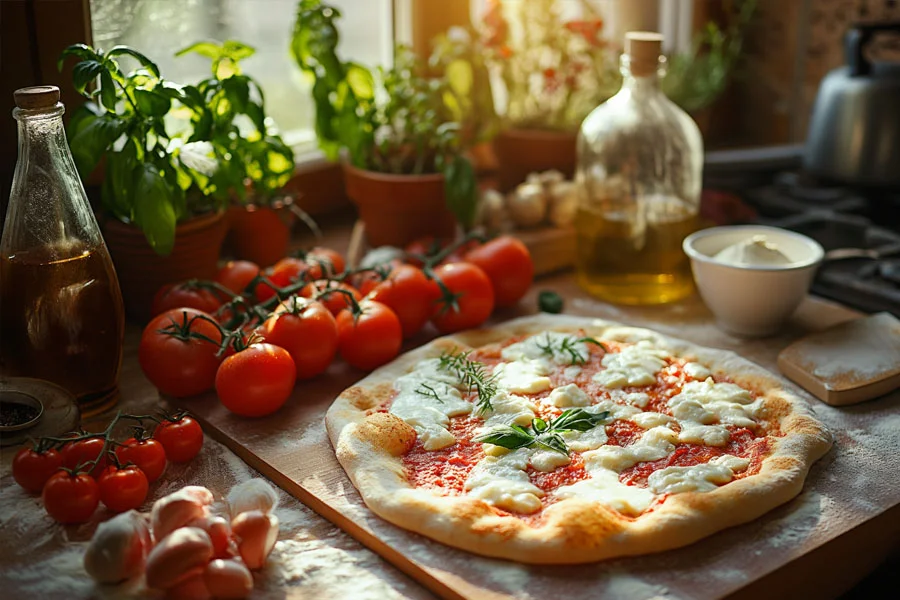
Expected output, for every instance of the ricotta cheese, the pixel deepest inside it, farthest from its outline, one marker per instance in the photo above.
(755, 251)
(426, 414)
(522, 377)
(502, 482)
(632, 366)
(698, 478)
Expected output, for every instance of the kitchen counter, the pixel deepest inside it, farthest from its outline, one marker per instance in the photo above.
(313, 558)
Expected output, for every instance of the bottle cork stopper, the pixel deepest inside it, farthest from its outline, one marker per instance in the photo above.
(643, 49)
(39, 96)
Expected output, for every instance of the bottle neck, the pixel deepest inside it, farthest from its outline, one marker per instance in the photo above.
(641, 80)
(42, 134)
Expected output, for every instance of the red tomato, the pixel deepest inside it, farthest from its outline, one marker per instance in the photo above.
(306, 329)
(257, 381)
(367, 281)
(71, 498)
(122, 489)
(474, 297)
(425, 246)
(181, 438)
(31, 469)
(284, 273)
(324, 262)
(176, 353)
(335, 302)
(236, 275)
(76, 454)
(184, 295)
(410, 295)
(148, 455)
(370, 339)
(507, 263)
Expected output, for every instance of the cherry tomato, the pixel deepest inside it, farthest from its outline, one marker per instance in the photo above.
(425, 246)
(507, 263)
(410, 295)
(182, 438)
(474, 297)
(184, 295)
(335, 302)
(122, 489)
(75, 454)
(236, 275)
(257, 381)
(31, 469)
(370, 339)
(324, 262)
(71, 498)
(148, 455)
(176, 353)
(367, 281)
(285, 272)
(306, 329)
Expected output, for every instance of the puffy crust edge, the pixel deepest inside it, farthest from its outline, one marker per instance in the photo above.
(571, 531)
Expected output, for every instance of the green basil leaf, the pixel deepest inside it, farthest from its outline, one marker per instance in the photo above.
(237, 90)
(361, 82)
(145, 62)
(153, 209)
(550, 302)
(539, 425)
(107, 91)
(210, 50)
(577, 419)
(506, 437)
(117, 183)
(460, 189)
(82, 51)
(84, 74)
(93, 139)
(553, 442)
(236, 50)
(151, 102)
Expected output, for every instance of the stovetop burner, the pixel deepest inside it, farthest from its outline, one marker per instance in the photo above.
(770, 180)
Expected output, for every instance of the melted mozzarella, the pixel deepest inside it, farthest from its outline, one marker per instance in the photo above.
(568, 395)
(707, 402)
(548, 460)
(695, 370)
(582, 441)
(572, 372)
(649, 420)
(605, 488)
(429, 416)
(656, 443)
(509, 409)
(502, 481)
(536, 347)
(523, 377)
(698, 478)
(633, 365)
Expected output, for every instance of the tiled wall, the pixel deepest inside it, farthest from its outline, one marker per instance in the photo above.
(791, 46)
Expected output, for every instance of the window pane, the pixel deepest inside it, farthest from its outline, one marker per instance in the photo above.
(159, 28)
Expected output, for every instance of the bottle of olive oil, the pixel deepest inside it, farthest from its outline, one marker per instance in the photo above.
(61, 310)
(639, 176)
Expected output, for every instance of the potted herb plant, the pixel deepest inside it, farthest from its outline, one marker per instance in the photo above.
(400, 128)
(553, 73)
(254, 162)
(159, 221)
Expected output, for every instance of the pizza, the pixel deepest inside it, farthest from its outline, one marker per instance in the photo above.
(556, 439)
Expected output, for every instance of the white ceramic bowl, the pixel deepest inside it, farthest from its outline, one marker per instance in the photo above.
(751, 300)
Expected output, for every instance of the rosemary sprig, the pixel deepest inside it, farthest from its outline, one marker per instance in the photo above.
(543, 434)
(472, 375)
(566, 345)
(429, 392)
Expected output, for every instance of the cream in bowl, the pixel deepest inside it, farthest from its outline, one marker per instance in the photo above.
(752, 277)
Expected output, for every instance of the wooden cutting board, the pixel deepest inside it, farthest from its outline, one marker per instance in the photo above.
(843, 524)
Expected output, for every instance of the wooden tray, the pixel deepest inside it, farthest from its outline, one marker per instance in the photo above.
(843, 524)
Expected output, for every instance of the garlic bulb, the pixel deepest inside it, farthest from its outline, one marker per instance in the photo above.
(527, 205)
(182, 555)
(492, 214)
(176, 510)
(563, 203)
(255, 494)
(119, 548)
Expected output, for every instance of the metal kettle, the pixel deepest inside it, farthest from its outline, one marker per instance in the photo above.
(854, 132)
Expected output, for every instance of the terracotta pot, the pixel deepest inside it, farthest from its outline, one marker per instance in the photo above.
(260, 234)
(523, 151)
(398, 209)
(142, 271)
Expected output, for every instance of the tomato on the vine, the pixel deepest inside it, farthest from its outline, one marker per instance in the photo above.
(178, 350)
(149, 456)
(181, 438)
(256, 381)
(507, 263)
(71, 498)
(334, 301)
(236, 275)
(122, 489)
(410, 295)
(307, 330)
(283, 273)
(32, 469)
(323, 262)
(472, 297)
(426, 247)
(78, 453)
(369, 339)
(184, 295)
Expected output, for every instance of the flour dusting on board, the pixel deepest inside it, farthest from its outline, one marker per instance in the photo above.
(311, 557)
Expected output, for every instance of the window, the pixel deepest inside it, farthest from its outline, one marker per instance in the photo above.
(159, 28)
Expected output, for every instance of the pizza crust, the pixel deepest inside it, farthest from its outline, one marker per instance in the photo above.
(369, 447)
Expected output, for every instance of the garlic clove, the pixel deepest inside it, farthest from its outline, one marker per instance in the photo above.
(182, 555)
(228, 579)
(119, 548)
(176, 510)
(255, 494)
(256, 533)
(219, 531)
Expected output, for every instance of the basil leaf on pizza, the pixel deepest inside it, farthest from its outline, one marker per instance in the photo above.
(557, 439)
